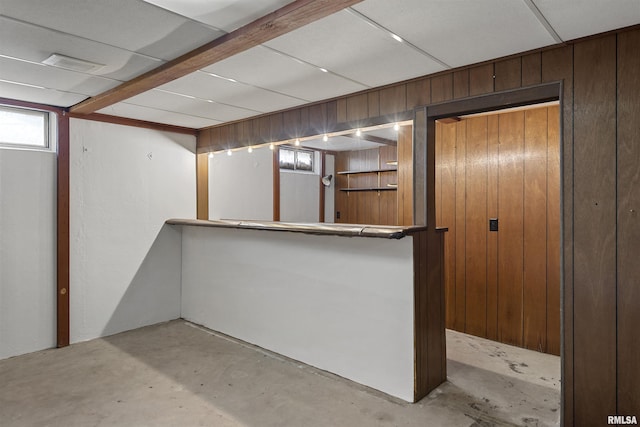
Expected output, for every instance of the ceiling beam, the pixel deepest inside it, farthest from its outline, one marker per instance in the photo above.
(284, 20)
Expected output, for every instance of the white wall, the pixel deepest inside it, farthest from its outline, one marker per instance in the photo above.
(27, 251)
(241, 185)
(343, 304)
(299, 197)
(125, 266)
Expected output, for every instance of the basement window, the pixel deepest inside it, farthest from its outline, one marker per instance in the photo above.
(297, 160)
(25, 128)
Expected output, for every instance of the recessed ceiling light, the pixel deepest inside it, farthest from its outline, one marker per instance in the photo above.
(73, 64)
(397, 37)
(324, 70)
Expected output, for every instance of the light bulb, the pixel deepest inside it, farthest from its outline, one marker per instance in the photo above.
(250, 150)
(271, 146)
(211, 155)
(297, 142)
(358, 132)
(396, 127)
(229, 152)
(325, 138)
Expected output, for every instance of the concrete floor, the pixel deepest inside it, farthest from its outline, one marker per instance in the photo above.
(178, 374)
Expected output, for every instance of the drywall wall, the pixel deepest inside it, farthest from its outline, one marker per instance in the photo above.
(125, 266)
(27, 251)
(343, 304)
(299, 197)
(241, 185)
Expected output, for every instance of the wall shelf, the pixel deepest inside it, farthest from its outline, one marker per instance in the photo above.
(370, 189)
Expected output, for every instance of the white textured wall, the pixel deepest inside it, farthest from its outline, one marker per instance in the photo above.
(27, 251)
(343, 304)
(125, 266)
(299, 197)
(241, 185)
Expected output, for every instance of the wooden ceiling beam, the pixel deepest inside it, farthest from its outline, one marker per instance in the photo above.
(284, 20)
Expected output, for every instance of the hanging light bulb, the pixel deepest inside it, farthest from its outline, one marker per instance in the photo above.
(325, 138)
(271, 146)
(229, 152)
(358, 133)
(211, 155)
(396, 127)
(297, 143)
(250, 150)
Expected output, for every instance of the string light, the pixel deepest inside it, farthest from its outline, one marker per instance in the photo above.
(325, 138)
(396, 127)
(297, 142)
(211, 155)
(250, 149)
(358, 132)
(271, 146)
(229, 152)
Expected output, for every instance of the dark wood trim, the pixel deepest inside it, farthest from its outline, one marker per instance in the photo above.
(284, 20)
(35, 106)
(202, 186)
(105, 118)
(63, 237)
(276, 184)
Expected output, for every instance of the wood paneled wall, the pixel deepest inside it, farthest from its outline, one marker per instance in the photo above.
(366, 207)
(600, 198)
(502, 285)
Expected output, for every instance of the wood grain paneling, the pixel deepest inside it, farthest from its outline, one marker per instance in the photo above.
(446, 162)
(594, 194)
(418, 93)
(393, 99)
(476, 226)
(373, 99)
(202, 186)
(532, 69)
(481, 79)
(510, 236)
(553, 231)
(441, 88)
(405, 176)
(508, 74)
(460, 225)
(461, 83)
(628, 223)
(534, 299)
(493, 150)
(357, 107)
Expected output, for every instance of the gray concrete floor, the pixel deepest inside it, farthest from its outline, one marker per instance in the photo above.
(178, 374)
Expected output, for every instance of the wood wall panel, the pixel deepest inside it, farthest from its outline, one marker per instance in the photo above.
(553, 229)
(202, 186)
(459, 222)
(357, 107)
(532, 69)
(628, 223)
(508, 74)
(373, 99)
(476, 226)
(393, 100)
(594, 195)
(418, 93)
(510, 236)
(481, 79)
(461, 83)
(534, 299)
(493, 147)
(441, 88)
(405, 176)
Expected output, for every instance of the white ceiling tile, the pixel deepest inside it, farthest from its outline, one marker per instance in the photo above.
(204, 86)
(283, 74)
(53, 78)
(132, 25)
(351, 47)
(35, 44)
(194, 107)
(41, 96)
(461, 32)
(227, 15)
(573, 19)
(123, 109)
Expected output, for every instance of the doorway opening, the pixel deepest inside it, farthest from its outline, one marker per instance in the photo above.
(497, 190)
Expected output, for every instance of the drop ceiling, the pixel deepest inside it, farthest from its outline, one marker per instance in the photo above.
(345, 52)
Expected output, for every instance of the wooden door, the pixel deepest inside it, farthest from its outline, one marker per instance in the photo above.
(502, 285)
